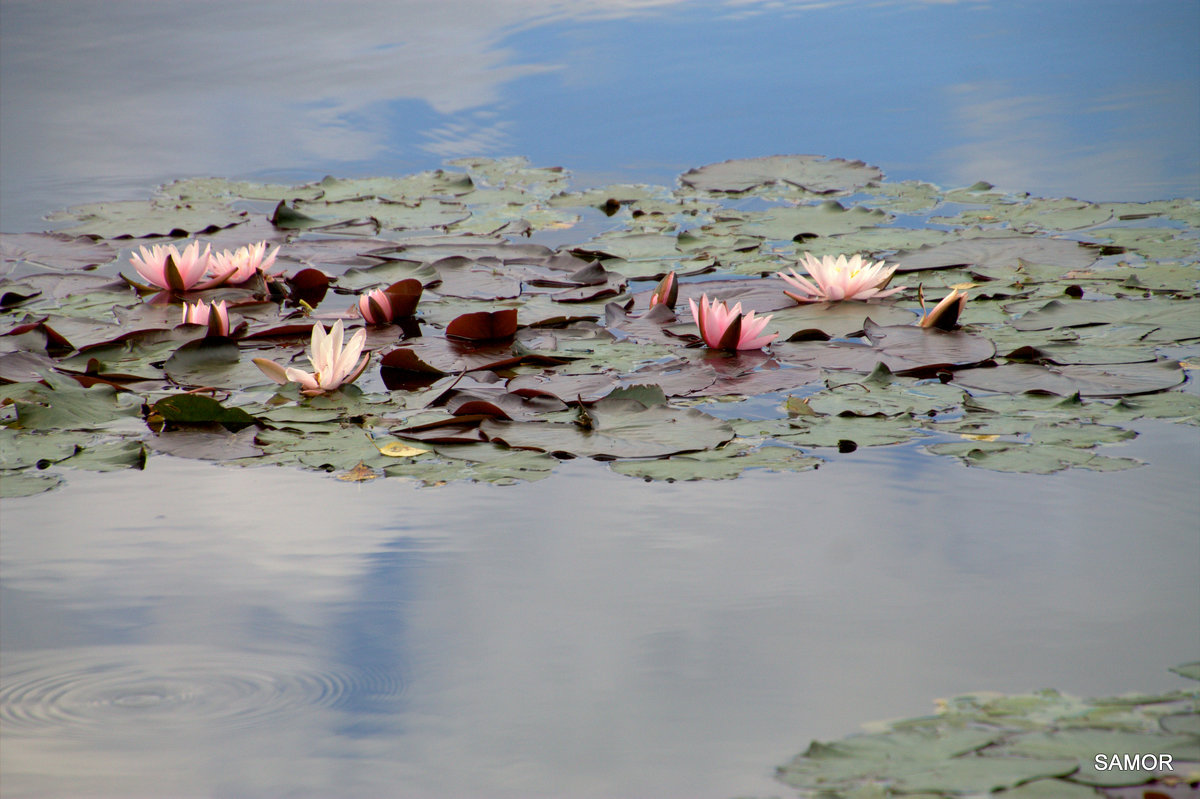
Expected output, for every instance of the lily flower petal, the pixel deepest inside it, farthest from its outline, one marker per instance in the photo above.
(168, 268)
(945, 314)
(725, 328)
(375, 307)
(839, 278)
(666, 292)
(215, 316)
(272, 370)
(238, 266)
(334, 365)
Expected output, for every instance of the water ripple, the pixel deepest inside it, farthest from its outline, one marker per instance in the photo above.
(108, 687)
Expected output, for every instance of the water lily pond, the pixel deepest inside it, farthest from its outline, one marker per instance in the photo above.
(446, 471)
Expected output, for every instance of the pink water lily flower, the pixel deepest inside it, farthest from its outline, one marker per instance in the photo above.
(725, 328)
(840, 279)
(666, 292)
(215, 316)
(168, 268)
(944, 315)
(238, 266)
(376, 308)
(334, 365)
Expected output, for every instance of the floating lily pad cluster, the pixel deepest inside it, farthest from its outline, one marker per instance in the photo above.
(1034, 746)
(532, 338)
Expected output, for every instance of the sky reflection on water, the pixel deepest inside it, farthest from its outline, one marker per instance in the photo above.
(616, 640)
(591, 630)
(1100, 101)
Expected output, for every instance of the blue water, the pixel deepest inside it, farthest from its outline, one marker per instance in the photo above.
(1098, 100)
(194, 630)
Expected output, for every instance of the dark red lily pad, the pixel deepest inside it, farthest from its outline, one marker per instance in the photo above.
(308, 286)
(484, 325)
(405, 296)
(454, 430)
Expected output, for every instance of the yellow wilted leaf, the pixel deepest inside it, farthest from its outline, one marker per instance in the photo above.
(398, 449)
(359, 474)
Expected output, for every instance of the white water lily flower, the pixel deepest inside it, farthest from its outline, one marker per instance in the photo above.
(334, 365)
(840, 279)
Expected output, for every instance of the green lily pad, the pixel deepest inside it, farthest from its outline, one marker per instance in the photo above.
(27, 484)
(221, 189)
(1049, 789)
(68, 406)
(1189, 670)
(847, 433)
(726, 463)
(1034, 214)
(883, 394)
(21, 449)
(197, 409)
(787, 223)
(437, 183)
(1010, 456)
(883, 756)
(109, 456)
(586, 331)
(207, 362)
(632, 246)
(813, 173)
(998, 251)
(618, 428)
(135, 219)
(55, 250)
(905, 197)
(980, 775)
(1155, 244)
(515, 171)
(390, 215)
(1106, 380)
(1084, 745)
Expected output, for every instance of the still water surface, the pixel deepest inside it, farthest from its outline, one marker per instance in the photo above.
(194, 630)
(203, 631)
